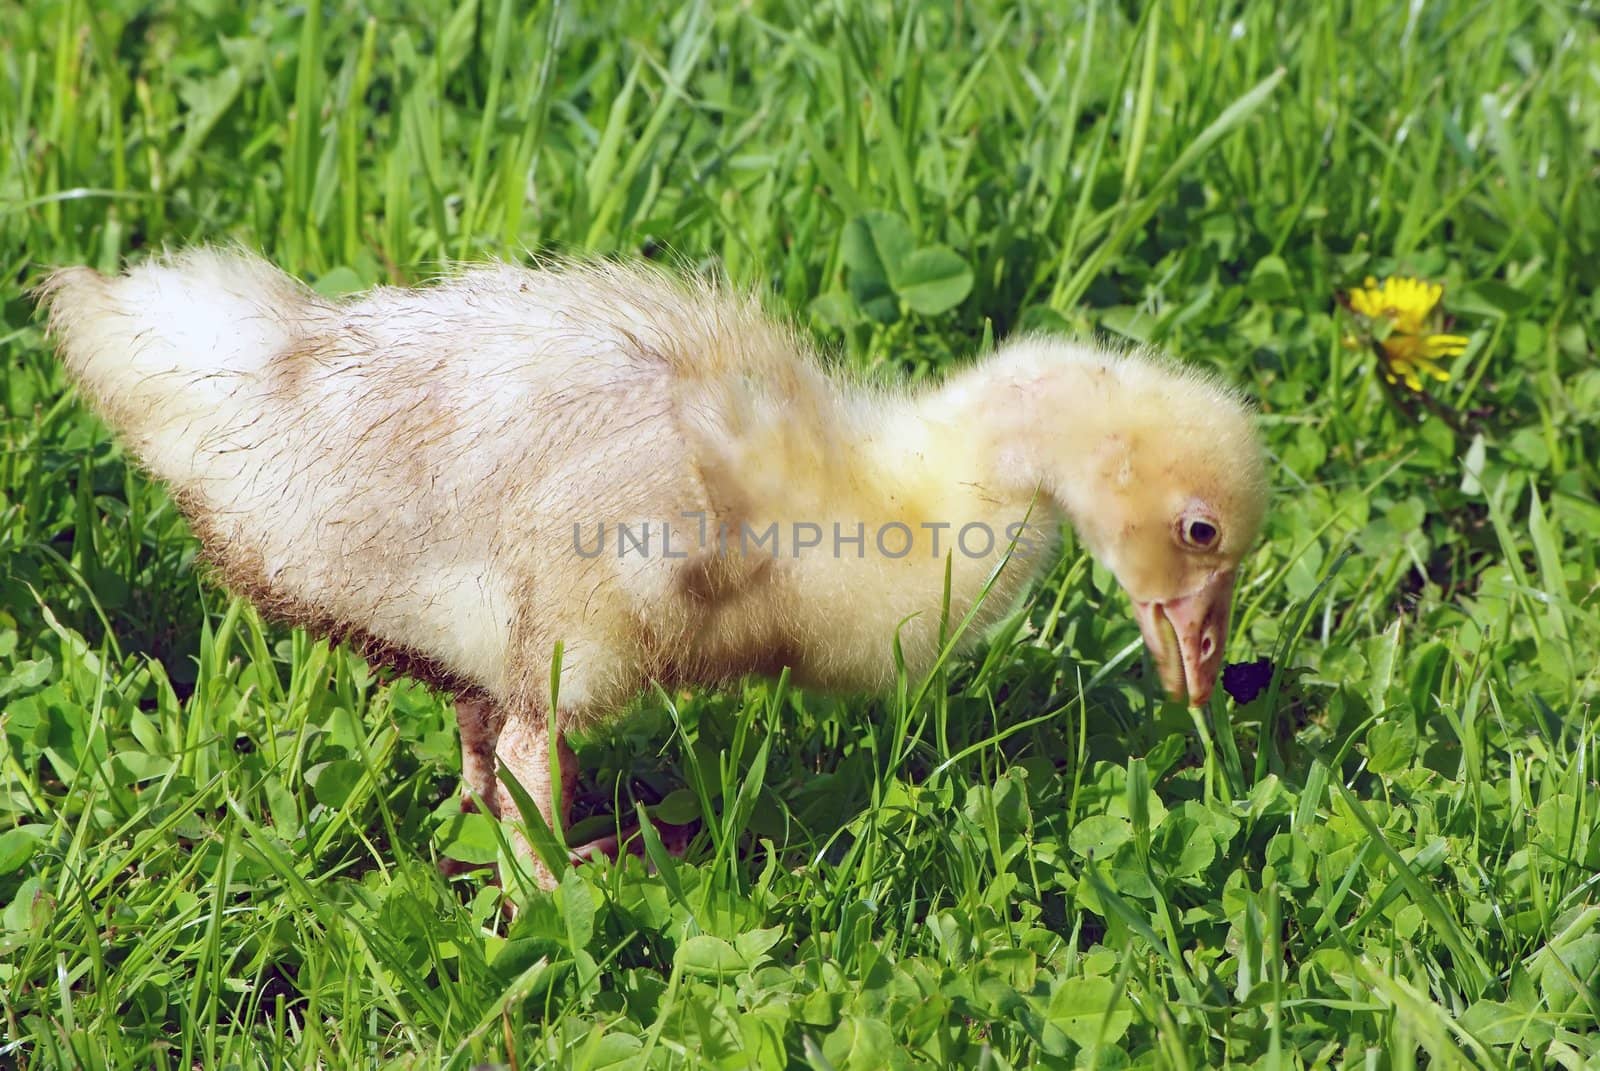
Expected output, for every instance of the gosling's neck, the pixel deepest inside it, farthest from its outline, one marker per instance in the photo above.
(1046, 424)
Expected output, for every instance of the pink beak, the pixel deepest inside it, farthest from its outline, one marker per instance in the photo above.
(1186, 636)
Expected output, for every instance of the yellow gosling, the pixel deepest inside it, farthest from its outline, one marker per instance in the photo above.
(649, 472)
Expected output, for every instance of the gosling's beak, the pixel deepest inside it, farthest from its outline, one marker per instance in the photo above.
(1186, 636)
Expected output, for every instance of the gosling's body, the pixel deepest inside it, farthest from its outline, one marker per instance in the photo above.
(469, 491)
(463, 476)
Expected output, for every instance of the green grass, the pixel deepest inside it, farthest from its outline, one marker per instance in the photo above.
(218, 839)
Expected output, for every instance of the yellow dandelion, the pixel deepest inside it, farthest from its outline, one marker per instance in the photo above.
(1399, 315)
(1405, 303)
(1406, 355)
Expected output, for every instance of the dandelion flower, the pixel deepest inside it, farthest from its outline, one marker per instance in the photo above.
(1400, 316)
(1406, 303)
(1404, 356)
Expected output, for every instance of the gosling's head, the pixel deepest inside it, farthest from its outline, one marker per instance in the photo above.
(1161, 471)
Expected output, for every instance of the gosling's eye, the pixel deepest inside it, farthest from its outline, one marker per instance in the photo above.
(1197, 532)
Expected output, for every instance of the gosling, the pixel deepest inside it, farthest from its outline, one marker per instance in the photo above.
(648, 475)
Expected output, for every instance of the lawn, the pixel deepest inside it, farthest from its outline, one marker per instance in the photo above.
(219, 839)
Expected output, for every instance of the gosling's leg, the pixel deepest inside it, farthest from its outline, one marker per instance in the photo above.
(523, 751)
(479, 723)
(675, 839)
